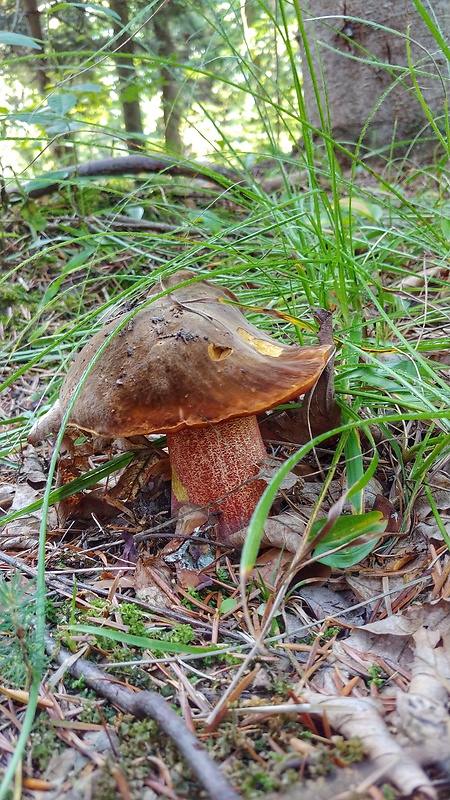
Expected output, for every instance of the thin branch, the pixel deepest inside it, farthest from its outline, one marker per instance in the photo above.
(150, 704)
(127, 165)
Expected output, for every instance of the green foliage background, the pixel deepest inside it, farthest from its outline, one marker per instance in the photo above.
(228, 62)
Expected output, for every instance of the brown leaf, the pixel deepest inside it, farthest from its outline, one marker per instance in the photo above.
(361, 717)
(22, 696)
(284, 531)
(24, 532)
(6, 496)
(125, 581)
(33, 471)
(190, 520)
(192, 578)
(413, 281)
(393, 518)
(153, 582)
(37, 784)
(269, 466)
(80, 505)
(423, 709)
(144, 466)
(269, 565)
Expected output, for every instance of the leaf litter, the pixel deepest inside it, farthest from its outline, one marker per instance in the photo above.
(353, 705)
(354, 665)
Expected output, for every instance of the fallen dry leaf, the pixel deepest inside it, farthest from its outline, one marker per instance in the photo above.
(393, 518)
(32, 469)
(284, 531)
(37, 784)
(24, 532)
(191, 520)
(192, 579)
(6, 496)
(326, 602)
(361, 717)
(269, 467)
(5, 744)
(268, 566)
(152, 580)
(415, 281)
(146, 465)
(439, 484)
(423, 710)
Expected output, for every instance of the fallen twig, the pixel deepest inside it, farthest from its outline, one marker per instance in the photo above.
(150, 704)
(125, 165)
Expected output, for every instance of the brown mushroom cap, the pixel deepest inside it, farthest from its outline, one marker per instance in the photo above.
(185, 360)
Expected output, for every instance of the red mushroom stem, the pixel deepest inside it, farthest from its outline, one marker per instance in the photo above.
(222, 459)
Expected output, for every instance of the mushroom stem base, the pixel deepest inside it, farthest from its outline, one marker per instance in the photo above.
(216, 467)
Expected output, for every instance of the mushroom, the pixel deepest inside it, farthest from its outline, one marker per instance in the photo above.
(191, 366)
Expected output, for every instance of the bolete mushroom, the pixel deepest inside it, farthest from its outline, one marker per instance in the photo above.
(191, 366)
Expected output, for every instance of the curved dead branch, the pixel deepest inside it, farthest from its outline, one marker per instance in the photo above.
(125, 165)
(148, 704)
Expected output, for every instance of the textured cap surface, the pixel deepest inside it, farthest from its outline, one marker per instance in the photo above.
(185, 360)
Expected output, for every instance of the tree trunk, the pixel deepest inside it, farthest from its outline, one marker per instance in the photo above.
(361, 70)
(128, 80)
(58, 146)
(171, 105)
(33, 18)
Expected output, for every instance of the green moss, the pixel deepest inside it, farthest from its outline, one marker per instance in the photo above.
(330, 632)
(223, 575)
(195, 595)
(350, 750)
(135, 675)
(78, 686)
(388, 792)
(376, 675)
(139, 739)
(52, 612)
(230, 659)
(105, 786)
(182, 634)
(137, 734)
(134, 618)
(260, 781)
(281, 687)
(91, 713)
(12, 297)
(79, 683)
(44, 743)
(97, 608)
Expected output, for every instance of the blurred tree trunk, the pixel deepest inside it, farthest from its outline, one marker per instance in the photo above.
(128, 79)
(60, 150)
(360, 64)
(171, 105)
(33, 18)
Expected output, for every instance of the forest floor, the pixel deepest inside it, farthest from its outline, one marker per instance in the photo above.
(326, 680)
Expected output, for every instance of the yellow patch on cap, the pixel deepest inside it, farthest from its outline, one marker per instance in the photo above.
(261, 345)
